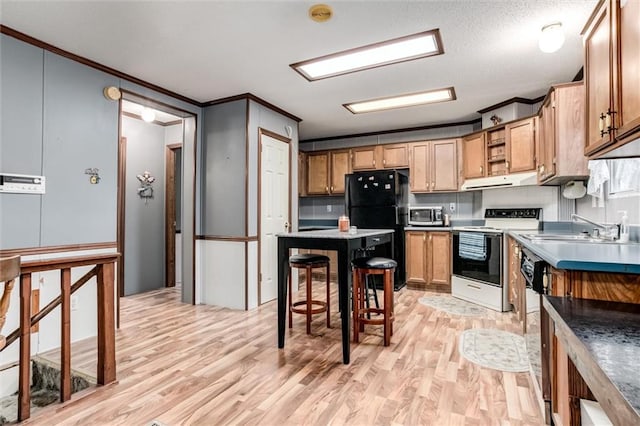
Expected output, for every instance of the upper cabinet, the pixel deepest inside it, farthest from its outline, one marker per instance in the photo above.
(612, 76)
(520, 146)
(392, 156)
(473, 156)
(325, 172)
(500, 150)
(561, 135)
(433, 166)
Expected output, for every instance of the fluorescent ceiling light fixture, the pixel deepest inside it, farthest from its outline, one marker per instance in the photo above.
(410, 99)
(401, 49)
(551, 37)
(148, 115)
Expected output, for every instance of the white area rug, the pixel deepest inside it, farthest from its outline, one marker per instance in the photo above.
(496, 349)
(451, 305)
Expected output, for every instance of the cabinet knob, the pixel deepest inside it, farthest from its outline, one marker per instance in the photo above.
(326, 188)
(331, 188)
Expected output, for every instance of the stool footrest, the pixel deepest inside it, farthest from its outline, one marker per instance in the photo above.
(322, 307)
(377, 321)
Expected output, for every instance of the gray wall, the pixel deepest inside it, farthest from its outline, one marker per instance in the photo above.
(224, 169)
(144, 217)
(56, 122)
(21, 82)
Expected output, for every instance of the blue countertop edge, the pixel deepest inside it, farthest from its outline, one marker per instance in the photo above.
(581, 256)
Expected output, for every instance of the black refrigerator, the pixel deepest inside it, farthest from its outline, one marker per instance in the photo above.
(379, 200)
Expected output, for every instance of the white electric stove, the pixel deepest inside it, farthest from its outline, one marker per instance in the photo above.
(479, 260)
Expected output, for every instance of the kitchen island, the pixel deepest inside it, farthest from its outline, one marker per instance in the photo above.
(602, 340)
(345, 243)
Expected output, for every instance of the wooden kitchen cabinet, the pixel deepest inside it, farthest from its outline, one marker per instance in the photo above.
(567, 386)
(434, 166)
(520, 145)
(391, 156)
(473, 156)
(500, 150)
(326, 170)
(428, 263)
(612, 77)
(561, 135)
(302, 174)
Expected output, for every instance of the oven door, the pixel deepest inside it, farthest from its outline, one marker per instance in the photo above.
(477, 255)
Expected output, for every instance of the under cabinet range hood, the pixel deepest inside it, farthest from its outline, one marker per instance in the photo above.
(504, 181)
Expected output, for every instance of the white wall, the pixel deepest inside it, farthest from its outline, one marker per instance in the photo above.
(545, 197)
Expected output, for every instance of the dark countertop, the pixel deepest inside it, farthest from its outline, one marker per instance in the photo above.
(603, 341)
(334, 233)
(580, 256)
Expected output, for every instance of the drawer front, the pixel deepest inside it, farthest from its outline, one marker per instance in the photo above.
(376, 240)
(482, 294)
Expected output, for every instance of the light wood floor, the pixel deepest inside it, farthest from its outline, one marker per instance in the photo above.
(182, 364)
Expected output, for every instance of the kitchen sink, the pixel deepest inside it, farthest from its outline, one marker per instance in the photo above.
(570, 238)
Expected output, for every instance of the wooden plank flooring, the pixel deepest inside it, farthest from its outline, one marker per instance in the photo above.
(180, 364)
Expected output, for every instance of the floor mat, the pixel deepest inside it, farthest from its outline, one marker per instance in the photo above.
(496, 349)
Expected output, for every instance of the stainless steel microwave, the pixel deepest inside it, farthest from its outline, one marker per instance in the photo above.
(425, 216)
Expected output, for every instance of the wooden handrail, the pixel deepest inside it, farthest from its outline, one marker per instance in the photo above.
(52, 305)
(104, 273)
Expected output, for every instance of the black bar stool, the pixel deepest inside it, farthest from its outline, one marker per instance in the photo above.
(361, 315)
(309, 262)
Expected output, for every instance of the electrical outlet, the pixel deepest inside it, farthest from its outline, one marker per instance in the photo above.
(452, 207)
(328, 208)
(74, 302)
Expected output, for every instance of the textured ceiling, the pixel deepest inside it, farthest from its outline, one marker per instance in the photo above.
(208, 50)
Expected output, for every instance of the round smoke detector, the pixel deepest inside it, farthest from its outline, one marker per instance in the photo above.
(320, 12)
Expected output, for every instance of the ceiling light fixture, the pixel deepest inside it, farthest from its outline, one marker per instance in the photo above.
(401, 49)
(551, 37)
(148, 115)
(410, 99)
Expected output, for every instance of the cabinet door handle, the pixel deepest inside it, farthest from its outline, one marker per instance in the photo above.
(384, 162)
(326, 189)
(481, 169)
(374, 163)
(507, 165)
(601, 125)
(424, 237)
(433, 185)
(607, 120)
(331, 188)
(430, 238)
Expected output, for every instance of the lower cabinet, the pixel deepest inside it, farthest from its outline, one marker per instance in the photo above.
(516, 284)
(428, 260)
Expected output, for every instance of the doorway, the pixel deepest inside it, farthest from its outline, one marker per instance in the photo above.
(155, 191)
(275, 207)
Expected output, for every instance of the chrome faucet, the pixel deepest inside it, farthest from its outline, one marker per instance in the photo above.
(611, 232)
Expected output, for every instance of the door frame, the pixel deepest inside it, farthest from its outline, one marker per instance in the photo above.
(170, 214)
(281, 138)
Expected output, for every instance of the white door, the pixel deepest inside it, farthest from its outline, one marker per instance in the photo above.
(274, 210)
